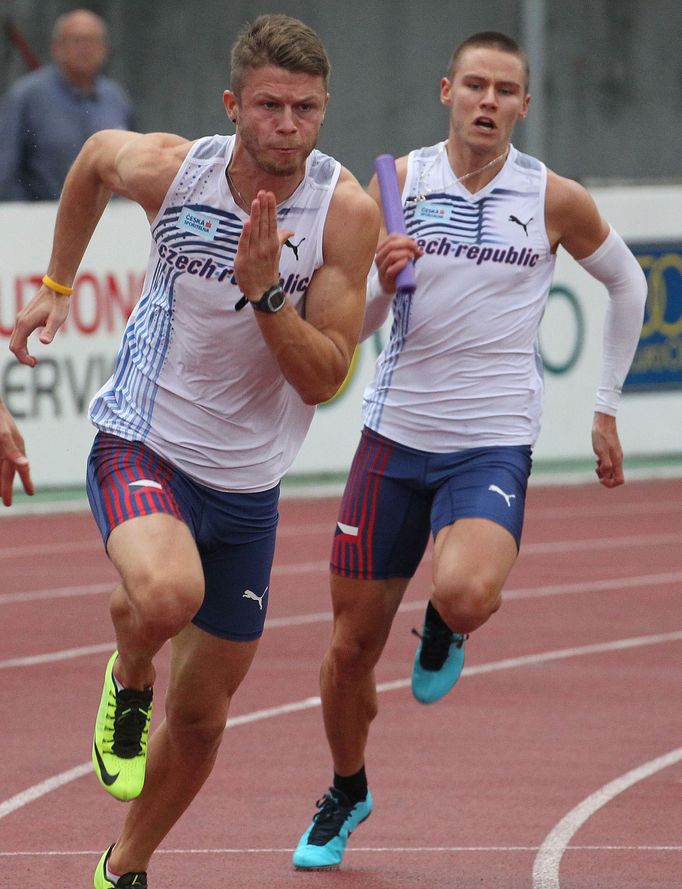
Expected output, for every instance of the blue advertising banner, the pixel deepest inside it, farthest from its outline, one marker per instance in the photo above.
(657, 364)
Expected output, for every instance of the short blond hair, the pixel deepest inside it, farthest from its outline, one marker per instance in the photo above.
(277, 40)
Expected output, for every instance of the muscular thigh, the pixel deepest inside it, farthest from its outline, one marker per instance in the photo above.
(473, 553)
(147, 548)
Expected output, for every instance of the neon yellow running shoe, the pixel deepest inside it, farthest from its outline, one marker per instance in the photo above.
(131, 880)
(119, 747)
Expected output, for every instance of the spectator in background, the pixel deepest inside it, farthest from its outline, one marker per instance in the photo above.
(48, 114)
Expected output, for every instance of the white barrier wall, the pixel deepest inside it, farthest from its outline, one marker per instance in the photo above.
(50, 401)
(650, 422)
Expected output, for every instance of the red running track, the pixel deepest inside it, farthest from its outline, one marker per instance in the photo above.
(555, 763)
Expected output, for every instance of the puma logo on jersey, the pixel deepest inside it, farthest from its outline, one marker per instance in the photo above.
(294, 247)
(249, 594)
(524, 225)
(508, 497)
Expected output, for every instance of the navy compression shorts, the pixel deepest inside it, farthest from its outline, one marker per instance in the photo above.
(395, 496)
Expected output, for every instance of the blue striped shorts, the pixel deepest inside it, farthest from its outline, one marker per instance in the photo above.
(234, 532)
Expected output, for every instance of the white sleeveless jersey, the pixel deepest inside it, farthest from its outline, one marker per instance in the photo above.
(194, 379)
(461, 368)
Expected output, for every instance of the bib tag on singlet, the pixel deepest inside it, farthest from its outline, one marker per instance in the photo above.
(201, 224)
(432, 211)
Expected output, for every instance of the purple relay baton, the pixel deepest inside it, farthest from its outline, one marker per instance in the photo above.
(393, 214)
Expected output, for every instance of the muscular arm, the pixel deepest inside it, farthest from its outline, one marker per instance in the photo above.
(572, 218)
(574, 222)
(314, 352)
(139, 167)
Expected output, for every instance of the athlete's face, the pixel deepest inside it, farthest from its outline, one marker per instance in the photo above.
(278, 116)
(486, 96)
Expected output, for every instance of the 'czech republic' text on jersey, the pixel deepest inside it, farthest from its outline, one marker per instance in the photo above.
(461, 368)
(194, 379)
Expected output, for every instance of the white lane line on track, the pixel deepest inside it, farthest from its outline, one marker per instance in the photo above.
(71, 546)
(644, 580)
(21, 799)
(22, 550)
(313, 567)
(64, 592)
(429, 850)
(548, 859)
(594, 586)
(639, 507)
(596, 543)
(98, 588)
(51, 657)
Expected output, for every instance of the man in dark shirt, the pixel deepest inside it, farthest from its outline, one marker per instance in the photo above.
(48, 114)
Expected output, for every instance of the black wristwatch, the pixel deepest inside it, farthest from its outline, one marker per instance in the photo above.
(271, 301)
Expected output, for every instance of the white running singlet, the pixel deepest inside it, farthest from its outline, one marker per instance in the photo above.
(461, 368)
(194, 379)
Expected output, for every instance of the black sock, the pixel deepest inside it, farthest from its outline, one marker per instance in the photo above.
(354, 786)
(433, 617)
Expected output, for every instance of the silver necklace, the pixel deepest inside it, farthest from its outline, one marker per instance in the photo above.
(422, 196)
(245, 206)
(234, 189)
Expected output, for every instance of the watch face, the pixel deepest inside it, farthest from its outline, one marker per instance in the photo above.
(276, 300)
(271, 301)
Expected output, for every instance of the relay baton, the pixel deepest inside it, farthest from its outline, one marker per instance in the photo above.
(387, 177)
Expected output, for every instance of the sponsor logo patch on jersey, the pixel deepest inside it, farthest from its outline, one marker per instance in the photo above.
(202, 224)
(431, 210)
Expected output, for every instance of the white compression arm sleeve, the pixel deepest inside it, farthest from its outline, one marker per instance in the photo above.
(377, 306)
(615, 266)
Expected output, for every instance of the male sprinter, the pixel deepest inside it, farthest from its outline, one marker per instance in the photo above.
(234, 340)
(454, 409)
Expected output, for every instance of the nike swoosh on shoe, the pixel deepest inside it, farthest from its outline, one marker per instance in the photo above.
(106, 776)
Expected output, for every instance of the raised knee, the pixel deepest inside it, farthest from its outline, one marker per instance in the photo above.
(164, 601)
(467, 605)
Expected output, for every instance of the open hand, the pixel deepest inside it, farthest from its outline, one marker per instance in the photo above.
(256, 265)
